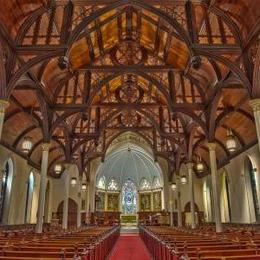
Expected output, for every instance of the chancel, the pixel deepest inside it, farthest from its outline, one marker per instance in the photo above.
(130, 129)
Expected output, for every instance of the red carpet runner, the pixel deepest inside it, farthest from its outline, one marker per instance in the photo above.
(129, 248)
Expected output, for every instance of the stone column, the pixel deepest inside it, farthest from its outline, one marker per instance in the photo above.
(87, 204)
(3, 105)
(120, 202)
(65, 211)
(152, 203)
(106, 201)
(79, 203)
(92, 192)
(215, 187)
(178, 191)
(43, 182)
(171, 206)
(191, 191)
(255, 104)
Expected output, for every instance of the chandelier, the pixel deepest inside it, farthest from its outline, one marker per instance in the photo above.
(73, 181)
(183, 179)
(58, 168)
(173, 186)
(27, 144)
(231, 143)
(199, 165)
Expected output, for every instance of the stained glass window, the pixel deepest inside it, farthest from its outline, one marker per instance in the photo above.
(252, 176)
(4, 190)
(112, 185)
(144, 184)
(129, 195)
(102, 183)
(156, 183)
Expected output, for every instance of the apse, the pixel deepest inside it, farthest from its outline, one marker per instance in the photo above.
(129, 181)
(129, 162)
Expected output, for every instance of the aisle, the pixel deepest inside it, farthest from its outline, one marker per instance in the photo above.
(129, 248)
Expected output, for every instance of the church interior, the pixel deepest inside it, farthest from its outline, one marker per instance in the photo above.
(130, 129)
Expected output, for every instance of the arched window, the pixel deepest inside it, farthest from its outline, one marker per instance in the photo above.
(6, 191)
(251, 190)
(144, 184)
(129, 195)
(224, 199)
(156, 183)
(112, 185)
(207, 201)
(102, 183)
(29, 196)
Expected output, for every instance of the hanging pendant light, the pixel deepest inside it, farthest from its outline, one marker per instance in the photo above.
(73, 181)
(27, 144)
(183, 179)
(58, 168)
(199, 165)
(84, 186)
(231, 143)
(173, 186)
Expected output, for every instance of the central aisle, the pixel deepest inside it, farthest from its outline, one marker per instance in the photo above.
(129, 247)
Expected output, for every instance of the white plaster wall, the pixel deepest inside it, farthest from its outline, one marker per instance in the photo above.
(58, 187)
(242, 210)
(94, 165)
(198, 189)
(242, 207)
(21, 172)
(241, 202)
(165, 194)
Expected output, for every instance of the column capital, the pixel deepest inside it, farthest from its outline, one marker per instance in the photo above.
(211, 146)
(3, 105)
(45, 147)
(255, 104)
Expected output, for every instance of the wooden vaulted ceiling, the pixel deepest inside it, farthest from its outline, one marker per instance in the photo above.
(80, 73)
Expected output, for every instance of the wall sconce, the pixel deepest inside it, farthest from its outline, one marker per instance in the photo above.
(73, 181)
(173, 186)
(183, 179)
(199, 165)
(26, 144)
(231, 143)
(58, 168)
(84, 186)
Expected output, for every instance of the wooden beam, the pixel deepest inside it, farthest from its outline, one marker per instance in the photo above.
(176, 106)
(127, 68)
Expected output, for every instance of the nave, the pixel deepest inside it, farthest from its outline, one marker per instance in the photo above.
(129, 129)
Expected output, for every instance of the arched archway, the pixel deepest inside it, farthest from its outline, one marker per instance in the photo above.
(225, 199)
(251, 190)
(29, 197)
(6, 189)
(187, 213)
(207, 200)
(72, 212)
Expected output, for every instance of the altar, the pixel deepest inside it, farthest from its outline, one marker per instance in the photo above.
(129, 219)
